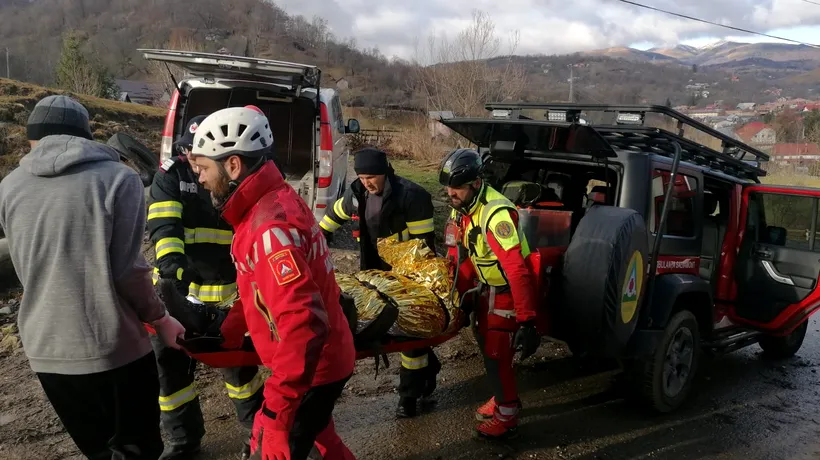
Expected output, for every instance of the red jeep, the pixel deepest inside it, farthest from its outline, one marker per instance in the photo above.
(652, 247)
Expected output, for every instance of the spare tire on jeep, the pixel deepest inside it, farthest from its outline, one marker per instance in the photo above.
(136, 155)
(603, 280)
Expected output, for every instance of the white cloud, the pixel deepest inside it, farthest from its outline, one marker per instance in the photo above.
(553, 26)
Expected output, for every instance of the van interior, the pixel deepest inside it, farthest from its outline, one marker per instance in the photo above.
(292, 120)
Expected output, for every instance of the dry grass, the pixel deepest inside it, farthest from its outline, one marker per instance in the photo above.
(17, 99)
(794, 180)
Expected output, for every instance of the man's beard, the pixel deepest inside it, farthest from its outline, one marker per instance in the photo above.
(220, 194)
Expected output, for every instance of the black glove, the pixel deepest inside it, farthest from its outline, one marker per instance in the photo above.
(526, 339)
(197, 318)
(328, 235)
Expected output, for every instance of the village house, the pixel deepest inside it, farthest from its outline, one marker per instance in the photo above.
(758, 134)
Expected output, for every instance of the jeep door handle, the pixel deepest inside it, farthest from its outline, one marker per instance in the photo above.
(764, 254)
(776, 275)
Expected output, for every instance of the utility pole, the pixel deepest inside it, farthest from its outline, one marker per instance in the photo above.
(571, 84)
(8, 68)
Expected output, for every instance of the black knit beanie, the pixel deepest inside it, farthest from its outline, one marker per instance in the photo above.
(58, 115)
(370, 161)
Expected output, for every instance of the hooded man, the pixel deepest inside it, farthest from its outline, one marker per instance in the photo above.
(383, 205)
(74, 217)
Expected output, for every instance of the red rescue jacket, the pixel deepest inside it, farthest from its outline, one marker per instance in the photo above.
(288, 292)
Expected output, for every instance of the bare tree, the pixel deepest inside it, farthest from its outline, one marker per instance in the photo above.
(461, 74)
(181, 40)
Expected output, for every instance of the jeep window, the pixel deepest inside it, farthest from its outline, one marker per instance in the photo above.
(786, 220)
(680, 221)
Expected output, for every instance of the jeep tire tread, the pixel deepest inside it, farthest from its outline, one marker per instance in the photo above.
(649, 374)
(784, 347)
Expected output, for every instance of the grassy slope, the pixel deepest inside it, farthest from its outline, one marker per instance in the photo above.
(17, 99)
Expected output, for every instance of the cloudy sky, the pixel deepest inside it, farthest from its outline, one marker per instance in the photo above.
(553, 26)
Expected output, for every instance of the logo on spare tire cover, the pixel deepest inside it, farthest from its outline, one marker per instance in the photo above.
(632, 287)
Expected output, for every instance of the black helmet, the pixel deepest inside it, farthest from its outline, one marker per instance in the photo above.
(459, 167)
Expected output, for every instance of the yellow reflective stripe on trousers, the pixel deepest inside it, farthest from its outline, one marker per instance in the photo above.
(164, 209)
(404, 235)
(167, 246)
(247, 390)
(420, 227)
(178, 399)
(211, 292)
(208, 235)
(413, 364)
(339, 209)
(329, 224)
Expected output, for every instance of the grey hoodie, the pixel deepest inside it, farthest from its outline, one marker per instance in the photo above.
(74, 217)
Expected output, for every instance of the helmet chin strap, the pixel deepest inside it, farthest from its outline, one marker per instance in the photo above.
(467, 206)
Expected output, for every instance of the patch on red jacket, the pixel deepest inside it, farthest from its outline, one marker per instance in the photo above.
(284, 267)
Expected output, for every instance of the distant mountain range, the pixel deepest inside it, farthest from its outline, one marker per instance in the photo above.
(725, 55)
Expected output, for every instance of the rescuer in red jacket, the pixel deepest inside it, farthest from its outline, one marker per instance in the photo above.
(506, 310)
(289, 299)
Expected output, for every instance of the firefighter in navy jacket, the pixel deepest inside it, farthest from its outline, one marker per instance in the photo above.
(192, 245)
(382, 204)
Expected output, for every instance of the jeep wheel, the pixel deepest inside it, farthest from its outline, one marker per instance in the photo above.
(786, 346)
(667, 376)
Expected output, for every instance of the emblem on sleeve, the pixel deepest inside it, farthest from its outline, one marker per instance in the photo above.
(284, 267)
(503, 229)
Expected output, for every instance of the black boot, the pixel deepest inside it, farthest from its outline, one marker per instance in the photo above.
(246, 450)
(407, 408)
(180, 452)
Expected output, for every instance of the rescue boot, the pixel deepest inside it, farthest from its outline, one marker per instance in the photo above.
(486, 411)
(407, 408)
(497, 429)
(246, 450)
(503, 424)
(181, 452)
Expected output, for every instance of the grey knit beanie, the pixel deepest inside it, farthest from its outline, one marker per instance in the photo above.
(58, 115)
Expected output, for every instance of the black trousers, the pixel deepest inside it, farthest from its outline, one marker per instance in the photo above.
(179, 400)
(111, 414)
(417, 376)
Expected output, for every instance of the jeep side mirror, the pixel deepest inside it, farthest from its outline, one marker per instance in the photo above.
(352, 126)
(776, 235)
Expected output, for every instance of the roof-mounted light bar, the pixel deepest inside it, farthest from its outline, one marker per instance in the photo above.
(630, 118)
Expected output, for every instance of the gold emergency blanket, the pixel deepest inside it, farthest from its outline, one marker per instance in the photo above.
(421, 312)
(369, 303)
(416, 261)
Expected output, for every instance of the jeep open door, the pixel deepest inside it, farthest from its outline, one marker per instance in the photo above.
(778, 262)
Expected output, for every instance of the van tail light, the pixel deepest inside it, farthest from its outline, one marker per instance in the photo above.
(167, 145)
(325, 150)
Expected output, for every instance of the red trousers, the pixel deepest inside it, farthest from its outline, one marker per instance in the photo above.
(496, 328)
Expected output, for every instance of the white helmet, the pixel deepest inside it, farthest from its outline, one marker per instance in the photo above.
(241, 131)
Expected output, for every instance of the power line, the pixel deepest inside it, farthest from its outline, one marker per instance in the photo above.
(721, 25)
(813, 3)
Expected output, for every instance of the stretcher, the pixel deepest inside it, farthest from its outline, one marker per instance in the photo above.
(209, 351)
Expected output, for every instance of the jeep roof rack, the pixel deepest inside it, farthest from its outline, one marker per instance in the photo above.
(629, 133)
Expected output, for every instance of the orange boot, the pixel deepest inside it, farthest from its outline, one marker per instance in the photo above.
(486, 411)
(503, 424)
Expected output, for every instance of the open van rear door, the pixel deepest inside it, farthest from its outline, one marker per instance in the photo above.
(778, 262)
(221, 66)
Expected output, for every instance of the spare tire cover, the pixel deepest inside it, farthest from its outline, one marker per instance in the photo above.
(603, 280)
